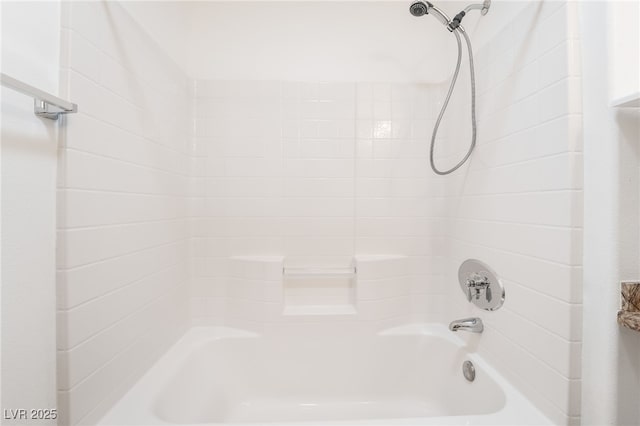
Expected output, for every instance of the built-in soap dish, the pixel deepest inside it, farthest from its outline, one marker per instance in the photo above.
(629, 314)
(319, 291)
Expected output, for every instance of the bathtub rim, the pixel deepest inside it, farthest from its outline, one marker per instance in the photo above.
(136, 407)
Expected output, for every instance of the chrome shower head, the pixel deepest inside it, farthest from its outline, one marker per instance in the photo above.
(420, 8)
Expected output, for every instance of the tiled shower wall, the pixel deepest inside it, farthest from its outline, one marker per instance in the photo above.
(316, 173)
(312, 174)
(518, 204)
(122, 234)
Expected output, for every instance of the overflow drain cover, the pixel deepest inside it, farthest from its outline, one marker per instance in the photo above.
(469, 371)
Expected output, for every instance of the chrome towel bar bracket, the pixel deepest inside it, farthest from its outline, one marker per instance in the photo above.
(45, 104)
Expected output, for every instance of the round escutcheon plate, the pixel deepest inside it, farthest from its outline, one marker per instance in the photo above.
(481, 285)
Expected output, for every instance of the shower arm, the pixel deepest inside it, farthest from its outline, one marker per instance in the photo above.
(455, 22)
(484, 7)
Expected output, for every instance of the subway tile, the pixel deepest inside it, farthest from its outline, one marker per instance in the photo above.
(319, 187)
(553, 315)
(555, 64)
(364, 129)
(381, 110)
(95, 244)
(560, 354)
(560, 98)
(562, 282)
(381, 129)
(401, 92)
(90, 208)
(115, 374)
(243, 186)
(317, 226)
(543, 174)
(364, 110)
(317, 207)
(428, 283)
(84, 321)
(318, 172)
(557, 389)
(553, 29)
(83, 57)
(370, 310)
(325, 168)
(550, 243)
(336, 90)
(124, 190)
(81, 361)
(543, 208)
(94, 172)
(106, 276)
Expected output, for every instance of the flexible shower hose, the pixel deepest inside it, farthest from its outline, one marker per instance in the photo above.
(446, 102)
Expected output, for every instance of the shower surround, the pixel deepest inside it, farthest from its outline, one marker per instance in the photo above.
(314, 175)
(181, 201)
(122, 198)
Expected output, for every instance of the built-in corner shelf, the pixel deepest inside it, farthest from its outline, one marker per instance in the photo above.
(631, 100)
(629, 314)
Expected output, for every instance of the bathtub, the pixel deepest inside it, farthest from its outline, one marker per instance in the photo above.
(409, 375)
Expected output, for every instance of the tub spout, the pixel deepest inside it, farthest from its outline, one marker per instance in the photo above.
(473, 325)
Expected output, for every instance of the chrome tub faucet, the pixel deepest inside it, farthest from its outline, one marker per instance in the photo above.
(474, 325)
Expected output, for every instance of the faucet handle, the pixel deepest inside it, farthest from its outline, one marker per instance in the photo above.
(476, 284)
(480, 285)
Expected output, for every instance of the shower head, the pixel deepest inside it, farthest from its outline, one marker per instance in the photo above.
(420, 8)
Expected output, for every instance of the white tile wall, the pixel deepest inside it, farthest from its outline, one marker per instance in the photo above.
(316, 173)
(517, 205)
(122, 230)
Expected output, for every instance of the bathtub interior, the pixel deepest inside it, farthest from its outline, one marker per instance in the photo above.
(275, 378)
(220, 375)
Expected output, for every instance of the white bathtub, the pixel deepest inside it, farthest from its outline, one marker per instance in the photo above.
(409, 375)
